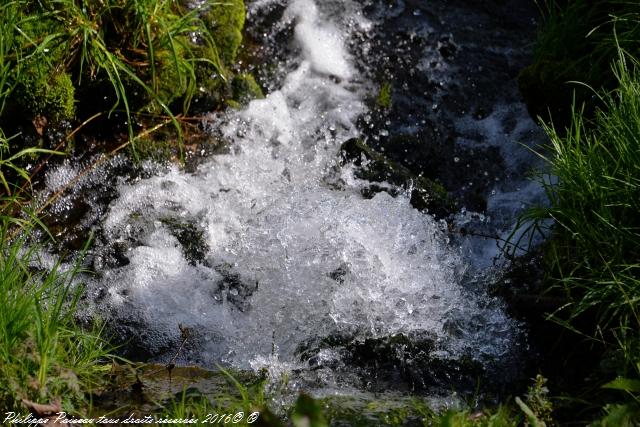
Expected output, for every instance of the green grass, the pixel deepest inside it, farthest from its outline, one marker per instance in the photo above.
(226, 410)
(596, 206)
(44, 354)
(593, 256)
(578, 41)
(149, 58)
(585, 85)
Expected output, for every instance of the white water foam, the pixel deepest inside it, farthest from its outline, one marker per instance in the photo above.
(302, 256)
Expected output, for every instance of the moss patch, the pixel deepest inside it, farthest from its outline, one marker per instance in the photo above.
(225, 20)
(45, 92)
(245, 88)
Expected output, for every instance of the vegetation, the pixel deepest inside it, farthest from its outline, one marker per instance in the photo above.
(591, 259)
(134, 62)
(142, 64)
(578, 42)
(534, 410)
(43, 353)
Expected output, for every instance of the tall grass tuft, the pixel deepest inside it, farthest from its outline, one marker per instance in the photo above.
(594, 252)
(44, 354)
(595, 204)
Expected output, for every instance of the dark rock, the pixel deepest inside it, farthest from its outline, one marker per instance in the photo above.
(112, 256)
(426, 195)
(398, 362)
(190, 237)
(447, 47)
(234, 288)
(339, 273)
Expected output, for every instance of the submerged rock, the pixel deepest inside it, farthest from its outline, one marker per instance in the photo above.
(397, 362)
(426, 195)
(190, 237)
(149, 388)
(233, 288)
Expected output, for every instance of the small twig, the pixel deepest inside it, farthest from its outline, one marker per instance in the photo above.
(184, 335)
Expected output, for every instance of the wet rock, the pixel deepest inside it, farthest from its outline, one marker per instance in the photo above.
(445, 75)
(426, 195)
(339, 273)
(133, 338)
(111, 256)
(398, 362)
(447, 47)
(234, 288)
(151, 388)
(191, 239)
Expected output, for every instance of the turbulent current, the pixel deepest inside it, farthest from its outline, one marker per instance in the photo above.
(270, 256)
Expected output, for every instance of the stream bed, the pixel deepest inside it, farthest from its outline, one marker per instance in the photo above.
(276, 254)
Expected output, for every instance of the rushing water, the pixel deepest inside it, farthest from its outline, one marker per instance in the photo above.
(269, 254)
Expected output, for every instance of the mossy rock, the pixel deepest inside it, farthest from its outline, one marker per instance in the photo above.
(426, 195)
(245, 88)
(46, 92)
(225, 21)
(213, 89)
(149, 388)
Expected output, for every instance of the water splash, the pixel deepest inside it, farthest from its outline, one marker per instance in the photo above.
(270, 247)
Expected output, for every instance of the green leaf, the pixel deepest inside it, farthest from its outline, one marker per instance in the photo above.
(624, 384)
(531, 417)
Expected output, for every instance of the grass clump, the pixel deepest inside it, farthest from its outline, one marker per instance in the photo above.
(596, 207)
(592, 257)
(44, 354)
(578, 42)
(585, 80)
(147, 60)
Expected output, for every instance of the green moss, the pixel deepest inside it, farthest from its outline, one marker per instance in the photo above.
(225, 20)
(43, 87)
(245, 88)
(384, 96)
(47, 92)
(174, 74)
